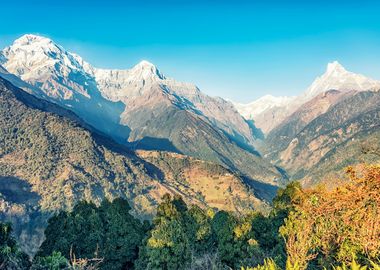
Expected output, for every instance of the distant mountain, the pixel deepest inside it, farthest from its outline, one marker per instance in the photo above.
(67, 78)
(333, 130)
(268, 112)
(338, 78)
(48, 161)
(139, 107)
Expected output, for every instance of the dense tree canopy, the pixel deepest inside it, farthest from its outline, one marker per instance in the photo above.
(107, 232)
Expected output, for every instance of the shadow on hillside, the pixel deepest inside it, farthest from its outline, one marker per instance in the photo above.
(240, 142)
(15, 190)
(158, 144)
(27, 218)
(256, 132)
(263, 191)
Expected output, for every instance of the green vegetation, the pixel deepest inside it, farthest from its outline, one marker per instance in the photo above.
(108, 232)
(306, 229)
(269, 264)
(10, 255)
(55, 261)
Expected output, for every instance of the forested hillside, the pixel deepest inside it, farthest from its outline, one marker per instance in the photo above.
(306, 229)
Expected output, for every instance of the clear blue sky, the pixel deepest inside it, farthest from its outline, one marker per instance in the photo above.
(239, 50)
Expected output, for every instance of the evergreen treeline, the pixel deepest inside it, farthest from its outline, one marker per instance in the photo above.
(306, 229)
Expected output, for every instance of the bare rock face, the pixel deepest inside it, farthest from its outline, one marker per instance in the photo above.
(284, 133)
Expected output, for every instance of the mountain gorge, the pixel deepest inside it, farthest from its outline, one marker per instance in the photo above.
(330, 141)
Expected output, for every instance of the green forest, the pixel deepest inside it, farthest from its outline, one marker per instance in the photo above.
(306, 229)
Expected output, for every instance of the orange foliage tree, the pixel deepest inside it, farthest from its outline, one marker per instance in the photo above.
(327, 226)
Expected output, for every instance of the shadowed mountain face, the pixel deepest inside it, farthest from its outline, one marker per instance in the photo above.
(49, 159)
(325, 135)
(140, 107)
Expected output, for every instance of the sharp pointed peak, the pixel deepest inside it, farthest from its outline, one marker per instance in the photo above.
(35, 42)
(145, 63)
(147, 69)
(334, 66)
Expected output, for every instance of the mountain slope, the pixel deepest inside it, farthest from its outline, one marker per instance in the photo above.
(315, 135)
(136, 106)
(184, 132)
(48, 161)
(312, 148)
(280, 137)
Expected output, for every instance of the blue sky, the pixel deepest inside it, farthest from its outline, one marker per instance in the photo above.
(239, 50)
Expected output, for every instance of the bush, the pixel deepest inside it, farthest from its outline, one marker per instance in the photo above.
(10, 255)
(330, 227)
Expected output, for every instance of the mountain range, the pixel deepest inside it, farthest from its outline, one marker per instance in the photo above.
(139, 107)
(71, 131)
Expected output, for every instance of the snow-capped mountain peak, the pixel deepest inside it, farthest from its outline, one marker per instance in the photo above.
(34, 45)
(337, 77)
(30, 39)
(31, 57)
(269, 111)
(146, 70)
(335, 67)
(262, 104)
